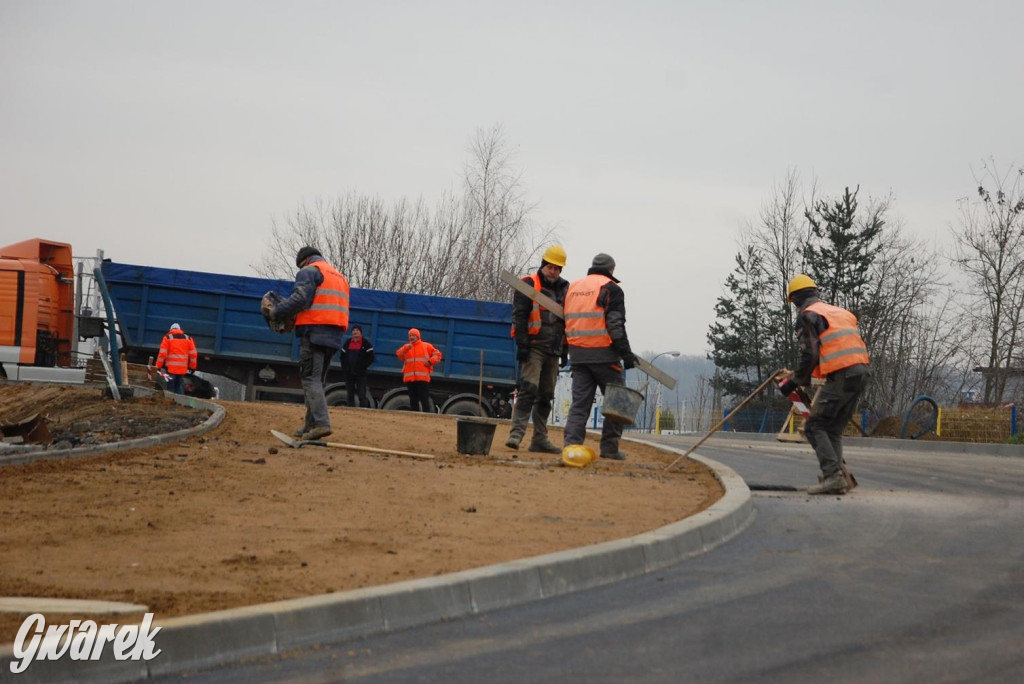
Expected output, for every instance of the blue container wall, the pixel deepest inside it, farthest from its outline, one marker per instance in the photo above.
(222, 314)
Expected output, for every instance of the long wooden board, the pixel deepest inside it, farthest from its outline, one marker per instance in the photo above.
(661, 376)
(555, 308)
(299, 443)
(539, 297)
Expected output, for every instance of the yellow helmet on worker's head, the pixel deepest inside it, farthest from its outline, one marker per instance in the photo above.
(577, 455)
(799, 282)
(555, 254)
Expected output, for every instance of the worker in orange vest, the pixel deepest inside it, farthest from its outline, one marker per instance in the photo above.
(418, 361)
(320, 304)
(595, 327)
(540, 343)
(830, 347)
(178, 354)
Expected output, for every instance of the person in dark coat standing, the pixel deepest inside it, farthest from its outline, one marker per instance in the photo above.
(356, 359)
(540, 343)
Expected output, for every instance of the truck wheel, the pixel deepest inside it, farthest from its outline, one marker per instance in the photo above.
(337, 398)
(396, 402)
(465, 407)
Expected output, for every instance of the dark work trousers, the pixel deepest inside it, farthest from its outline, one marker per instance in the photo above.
(832, 410)
(314, 361)
(419, 396)
(586, 379)
(176, 384)
(537, 378)
(356, 386)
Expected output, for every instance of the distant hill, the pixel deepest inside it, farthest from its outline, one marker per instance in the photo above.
(691, 399)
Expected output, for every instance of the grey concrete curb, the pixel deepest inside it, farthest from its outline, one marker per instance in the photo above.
(211, 639)
(13, 455)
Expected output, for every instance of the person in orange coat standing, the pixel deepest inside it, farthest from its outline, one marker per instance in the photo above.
(419, 359)
(178, 353)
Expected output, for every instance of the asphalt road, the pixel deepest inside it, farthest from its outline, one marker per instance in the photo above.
(917, 575)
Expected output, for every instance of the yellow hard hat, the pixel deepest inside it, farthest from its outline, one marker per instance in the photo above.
(555, 255)
(577, 455)
(799, 282)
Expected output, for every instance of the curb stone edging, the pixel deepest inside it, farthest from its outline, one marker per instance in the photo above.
(207, 640)
(14, 455)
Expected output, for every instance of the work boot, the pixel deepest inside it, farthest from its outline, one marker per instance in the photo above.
(617, 456)
(544, 446)
(833, 484)
(513, 441)
(317, 432)
(300, 431)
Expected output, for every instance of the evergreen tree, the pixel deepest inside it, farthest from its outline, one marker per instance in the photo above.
(743, 342)
(842, 249)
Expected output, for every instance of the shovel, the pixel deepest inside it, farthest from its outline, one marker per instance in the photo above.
(726, 419)
(299, 443)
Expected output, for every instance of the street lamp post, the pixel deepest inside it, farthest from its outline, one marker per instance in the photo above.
(647, 388)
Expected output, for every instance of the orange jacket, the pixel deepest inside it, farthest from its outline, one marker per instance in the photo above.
(330, 301)
(178, 352)
(841, 345)
(585, 325)
(533, 322)
(419, 360)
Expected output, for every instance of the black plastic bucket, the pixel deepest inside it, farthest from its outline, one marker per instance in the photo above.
(474, 436)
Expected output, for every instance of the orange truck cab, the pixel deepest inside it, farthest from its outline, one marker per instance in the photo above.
(36, 303)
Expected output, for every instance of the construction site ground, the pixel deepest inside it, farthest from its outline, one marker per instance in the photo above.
(234, 517)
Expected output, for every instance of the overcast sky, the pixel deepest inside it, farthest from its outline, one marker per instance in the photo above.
(173, 133)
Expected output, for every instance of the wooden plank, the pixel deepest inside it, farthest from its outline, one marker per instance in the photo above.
(661, 376)
(539, 297)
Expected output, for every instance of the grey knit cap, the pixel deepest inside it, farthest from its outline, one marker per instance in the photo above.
(603, 262)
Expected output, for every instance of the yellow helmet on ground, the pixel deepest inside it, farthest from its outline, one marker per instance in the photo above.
(799, 282)
(555, 255)
(577, 455)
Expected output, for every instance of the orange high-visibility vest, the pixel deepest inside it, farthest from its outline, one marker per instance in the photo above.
(330, 301)
(841, 345)
(178, 353)
(584, 320)
(533, 322)
(419, 361)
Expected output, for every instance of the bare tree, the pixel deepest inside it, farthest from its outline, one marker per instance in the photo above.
(497, 212)
(702, 415)
(911, 334)
(989, 250)
(455, 248)
(780, 238)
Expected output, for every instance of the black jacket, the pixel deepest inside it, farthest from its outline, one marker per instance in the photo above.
(357, 361)
(552, 328)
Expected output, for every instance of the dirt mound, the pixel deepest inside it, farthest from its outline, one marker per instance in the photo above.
(81, 416)
(235, 518)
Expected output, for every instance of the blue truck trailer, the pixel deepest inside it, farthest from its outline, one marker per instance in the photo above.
(477, 374)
